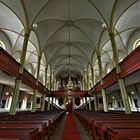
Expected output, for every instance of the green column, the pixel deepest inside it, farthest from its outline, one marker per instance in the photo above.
(44, 95)
(90, 103)
(52, 103)
(85, 82)
(54, 85)
(104, 100)
(34, 101)
(118, 71)
(95, 103)
(92, 76)
(46, 70)
(19, 80)
(50, 81)
(86, 103)
(48, 107)
(36, 91)
(1, 91)
(101, 80)
(88, 89)
(15, 97)
(23, 53)
(50, 86)
(53, 80)
(43, 102)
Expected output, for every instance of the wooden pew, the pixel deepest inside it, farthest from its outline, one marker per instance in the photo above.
(45, 122)
(134, 139)
(91, 125)
(9, 139)
(101, 128)
(43, 129)
(19, 133)
(91, 119)
(123, 133)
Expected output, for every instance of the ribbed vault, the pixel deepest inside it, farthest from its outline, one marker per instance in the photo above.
(69, 33)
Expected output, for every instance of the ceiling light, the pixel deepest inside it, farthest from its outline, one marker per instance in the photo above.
(34, 25)
(104, 25)
(132, 92)
(6, 93)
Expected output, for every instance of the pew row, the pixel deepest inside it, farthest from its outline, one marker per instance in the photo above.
(19, 133)
(44, 123)
(98, 125)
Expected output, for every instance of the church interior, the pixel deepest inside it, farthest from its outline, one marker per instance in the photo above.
(69, 69)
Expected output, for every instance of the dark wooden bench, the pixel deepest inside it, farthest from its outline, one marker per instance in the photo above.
(101, 128)
(45, 123)
(90, 124)
(19, 133)
(123, 133)
(9, 139)
(46, 126)
(90, 121)
(43, 128)
(134, 139)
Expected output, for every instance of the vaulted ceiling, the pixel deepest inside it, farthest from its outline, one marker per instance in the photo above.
(70, 32)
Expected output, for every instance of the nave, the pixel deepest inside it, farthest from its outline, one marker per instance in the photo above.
(69, 63)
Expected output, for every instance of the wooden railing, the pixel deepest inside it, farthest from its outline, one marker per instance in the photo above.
(29, 79)
(73, 93)
(9, 64)
(129, 65)
(110, 78)
(41, 87)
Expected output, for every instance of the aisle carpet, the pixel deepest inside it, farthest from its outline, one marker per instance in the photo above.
(70, 130)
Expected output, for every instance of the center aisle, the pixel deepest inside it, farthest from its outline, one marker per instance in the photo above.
(70, 130)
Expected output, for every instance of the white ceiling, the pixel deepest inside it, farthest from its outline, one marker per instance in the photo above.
(69, 32)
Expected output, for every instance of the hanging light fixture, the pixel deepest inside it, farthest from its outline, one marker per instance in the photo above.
(70, 84)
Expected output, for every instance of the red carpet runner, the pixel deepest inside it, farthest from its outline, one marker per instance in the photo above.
(70, 130)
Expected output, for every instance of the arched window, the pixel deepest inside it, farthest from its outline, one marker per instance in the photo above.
(136, 44)
(120, 59)
(2, 45)
(108, 70)
(29, 70)
(18, 59)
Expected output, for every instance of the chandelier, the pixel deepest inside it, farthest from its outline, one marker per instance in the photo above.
(70, 84)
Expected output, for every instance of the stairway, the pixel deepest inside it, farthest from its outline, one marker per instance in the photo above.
(70, 130)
